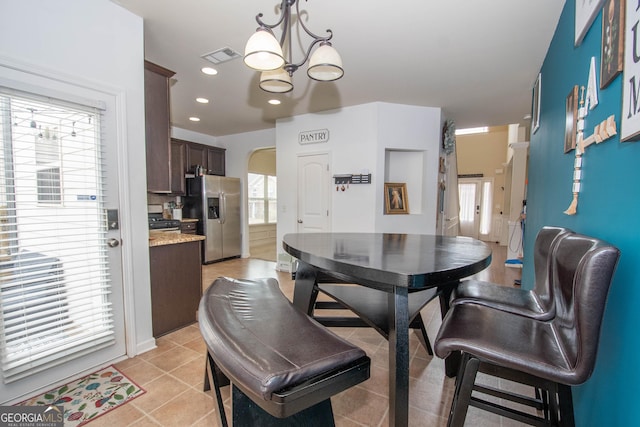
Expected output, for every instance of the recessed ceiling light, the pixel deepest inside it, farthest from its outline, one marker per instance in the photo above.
(202, 100)
(194, 119)
(209, 71)
(274, 101)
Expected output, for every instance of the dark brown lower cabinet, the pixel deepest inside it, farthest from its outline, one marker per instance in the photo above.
(176, 285)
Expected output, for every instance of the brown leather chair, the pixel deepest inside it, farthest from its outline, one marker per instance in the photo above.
(536, 303)
(551, 355)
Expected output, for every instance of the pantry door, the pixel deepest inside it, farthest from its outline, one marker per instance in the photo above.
(314, 181)
(61, 290)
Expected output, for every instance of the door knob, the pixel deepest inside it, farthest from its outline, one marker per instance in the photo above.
(112, 243)
(299, 221)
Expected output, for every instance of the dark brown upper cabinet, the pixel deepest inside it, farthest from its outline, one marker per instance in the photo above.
(178, 166)
(157, 127)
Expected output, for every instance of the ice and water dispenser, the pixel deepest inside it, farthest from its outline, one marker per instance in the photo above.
(213, 207)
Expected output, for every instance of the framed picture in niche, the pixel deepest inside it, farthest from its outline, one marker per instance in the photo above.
(395, 198)
(535, 107)
(586, 12)
(571, 123)
(612, 54)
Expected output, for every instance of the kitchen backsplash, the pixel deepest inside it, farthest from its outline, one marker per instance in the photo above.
(169, 206)
(159, 199)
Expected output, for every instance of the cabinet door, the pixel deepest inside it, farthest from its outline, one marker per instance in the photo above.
(216, 161)
(196, 155)
(176, 286)
(178, 167)
(188, 228)
(157, 127)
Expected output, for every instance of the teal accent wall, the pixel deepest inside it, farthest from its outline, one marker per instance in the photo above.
(609, 208)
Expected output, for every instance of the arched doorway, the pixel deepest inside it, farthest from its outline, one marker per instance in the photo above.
(262, 209)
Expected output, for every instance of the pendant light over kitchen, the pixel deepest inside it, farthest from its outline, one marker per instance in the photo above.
(263, 52)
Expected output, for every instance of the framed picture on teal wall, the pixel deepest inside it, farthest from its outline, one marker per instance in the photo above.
(571, 122)
(535, 107)
(586, 12)
(612, 54)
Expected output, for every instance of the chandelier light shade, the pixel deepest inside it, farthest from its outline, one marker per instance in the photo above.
(263, 52)
(325, 64)
(276, 81)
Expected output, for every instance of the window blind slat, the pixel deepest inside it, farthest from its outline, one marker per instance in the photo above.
(54, 269)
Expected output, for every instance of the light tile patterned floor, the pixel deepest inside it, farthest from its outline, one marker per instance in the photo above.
(173, 373)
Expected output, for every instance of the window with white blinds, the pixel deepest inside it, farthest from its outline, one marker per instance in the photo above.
(263, 201)
(54, 271)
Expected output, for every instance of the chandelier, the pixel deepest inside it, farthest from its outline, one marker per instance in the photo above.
(265, 53)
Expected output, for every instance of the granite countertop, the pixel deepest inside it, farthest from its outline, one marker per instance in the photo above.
(164, 238)
(189, 220)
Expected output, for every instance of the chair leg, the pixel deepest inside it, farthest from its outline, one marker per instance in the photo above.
(427, 343)
(464, 386)
(565, 399)
(207, 384)
(543, 396)
(215, 379)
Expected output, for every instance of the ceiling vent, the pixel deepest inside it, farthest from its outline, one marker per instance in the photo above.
(221, 55)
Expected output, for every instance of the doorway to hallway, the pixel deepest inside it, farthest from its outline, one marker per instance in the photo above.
(262, 200)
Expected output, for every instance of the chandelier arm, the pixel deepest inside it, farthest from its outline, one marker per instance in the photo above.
(306, 56)
(291, 67)
(284, 7)
(304, 27)
(287, 32)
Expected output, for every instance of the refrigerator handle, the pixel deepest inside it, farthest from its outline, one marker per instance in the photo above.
(223, 208)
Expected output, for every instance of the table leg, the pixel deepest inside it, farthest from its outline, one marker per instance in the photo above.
(305, 291)
(452, 362)
(399, 357)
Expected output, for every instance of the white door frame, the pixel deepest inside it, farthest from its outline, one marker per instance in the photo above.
(478, 210)
(36, 79)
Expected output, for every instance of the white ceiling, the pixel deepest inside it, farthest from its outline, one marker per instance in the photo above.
(476, 59)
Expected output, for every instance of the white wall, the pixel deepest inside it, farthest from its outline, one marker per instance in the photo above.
(418, 131)
(239, 148)
(200, 138)
(358, 138)
(351, 148)
(97, 41)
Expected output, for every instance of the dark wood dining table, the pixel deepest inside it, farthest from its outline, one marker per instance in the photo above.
(404, 266)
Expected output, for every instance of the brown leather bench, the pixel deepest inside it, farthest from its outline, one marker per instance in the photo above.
(283, 366)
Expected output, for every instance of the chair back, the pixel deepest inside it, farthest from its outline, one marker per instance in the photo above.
(582, 270)
(547, 237)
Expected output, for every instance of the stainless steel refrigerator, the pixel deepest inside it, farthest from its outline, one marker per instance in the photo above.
(215, 202)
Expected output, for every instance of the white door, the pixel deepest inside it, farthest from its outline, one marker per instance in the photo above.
(475, 196)
(61, 290)
(314, 181)
(469, 193)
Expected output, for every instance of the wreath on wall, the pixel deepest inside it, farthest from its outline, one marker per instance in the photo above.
(449, 136)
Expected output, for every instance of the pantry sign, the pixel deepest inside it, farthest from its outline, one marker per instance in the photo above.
(313, 136)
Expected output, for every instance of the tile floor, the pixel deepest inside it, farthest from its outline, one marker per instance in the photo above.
(173, 373)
